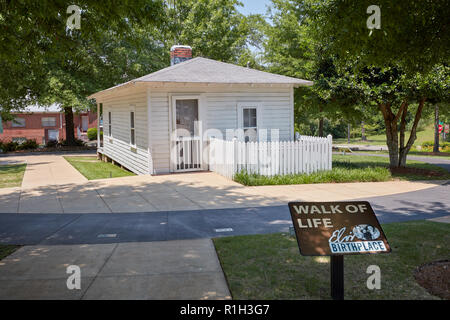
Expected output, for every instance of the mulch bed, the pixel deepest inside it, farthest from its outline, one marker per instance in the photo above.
(435, 278)
(56, 149)
(417, 171)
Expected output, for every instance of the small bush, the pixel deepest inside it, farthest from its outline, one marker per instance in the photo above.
(92, 134)
(427, 144)
(29, 144)
(10, 146)
(77, 143)
(51, 144)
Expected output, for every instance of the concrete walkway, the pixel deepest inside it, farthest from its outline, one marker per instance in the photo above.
(168, 270)
(46, 170)
(52, 185)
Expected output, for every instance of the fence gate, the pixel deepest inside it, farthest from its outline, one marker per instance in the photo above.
(188, 154)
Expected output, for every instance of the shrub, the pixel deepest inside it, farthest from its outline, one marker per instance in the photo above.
(92, 134)
(28, 145)
(77, 143)
(10, 146)
(427, 144)
(51, 144)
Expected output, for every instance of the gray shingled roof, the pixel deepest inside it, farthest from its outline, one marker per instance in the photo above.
(203, 70)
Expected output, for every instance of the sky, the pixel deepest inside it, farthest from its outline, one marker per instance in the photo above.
(254, 6)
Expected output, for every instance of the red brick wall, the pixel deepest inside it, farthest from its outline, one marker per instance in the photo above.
(34, 130)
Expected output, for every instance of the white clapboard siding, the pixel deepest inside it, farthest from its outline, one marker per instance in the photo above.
(306, 155)
(219, 112)
(117, 147)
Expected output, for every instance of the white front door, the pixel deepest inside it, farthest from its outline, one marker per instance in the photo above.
(84, 123)
(186, 144)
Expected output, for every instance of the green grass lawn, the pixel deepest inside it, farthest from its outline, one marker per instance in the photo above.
(271, 267)
(442, 155)
(425, 135)
(93, 169)
(11, 175)
(6, 250)
(348, 168)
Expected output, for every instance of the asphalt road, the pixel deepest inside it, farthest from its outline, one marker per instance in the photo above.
(95, 228)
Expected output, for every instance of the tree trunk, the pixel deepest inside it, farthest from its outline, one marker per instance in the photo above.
(436, 129)
(363, 132)
(321, 127)
(413, 135)
(348, 133)
(390, 122)
(320, 123)
(70, 132)
(403, 151)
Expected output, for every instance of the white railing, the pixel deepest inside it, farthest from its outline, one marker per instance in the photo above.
(306, 155)
(188, 153)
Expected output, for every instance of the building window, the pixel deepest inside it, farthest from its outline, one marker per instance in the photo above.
(18, 123)
(49, 122)
(250, 124)
(109, 124)
(132, 130)
(19, 140)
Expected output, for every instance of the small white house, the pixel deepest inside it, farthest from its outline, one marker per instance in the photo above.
(161, 122)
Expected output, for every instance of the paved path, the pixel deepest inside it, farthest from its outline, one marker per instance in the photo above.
(55, 229)
(46, 169)
(193, 191)
(157, 270)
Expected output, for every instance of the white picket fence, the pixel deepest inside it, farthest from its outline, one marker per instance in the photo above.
(306, 155)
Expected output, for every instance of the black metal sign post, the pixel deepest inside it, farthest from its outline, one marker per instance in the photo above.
(337, 277)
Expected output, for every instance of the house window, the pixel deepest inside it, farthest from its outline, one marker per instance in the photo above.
(250, 124)
(109, 124)
(132, 130)
(18, 123)
(48, 122)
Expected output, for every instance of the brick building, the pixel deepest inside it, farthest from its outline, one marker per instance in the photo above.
(45, 124)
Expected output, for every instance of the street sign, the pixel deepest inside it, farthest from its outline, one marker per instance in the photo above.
(335, 228)
(447, 128)
(441, 127)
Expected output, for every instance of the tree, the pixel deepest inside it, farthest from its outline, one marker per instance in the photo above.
(42, 60)
(392, 68)
(413, 35)
(213, 28)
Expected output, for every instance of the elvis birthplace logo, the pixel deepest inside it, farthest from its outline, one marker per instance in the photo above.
(341, 243)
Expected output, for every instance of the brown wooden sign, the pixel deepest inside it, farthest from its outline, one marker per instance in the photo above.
(337, 228)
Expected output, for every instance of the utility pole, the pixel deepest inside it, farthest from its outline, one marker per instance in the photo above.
(436, 129)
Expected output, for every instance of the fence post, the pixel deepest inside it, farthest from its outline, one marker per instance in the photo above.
(330, 151)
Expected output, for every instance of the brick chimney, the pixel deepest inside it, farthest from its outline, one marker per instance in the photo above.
(180, 54)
